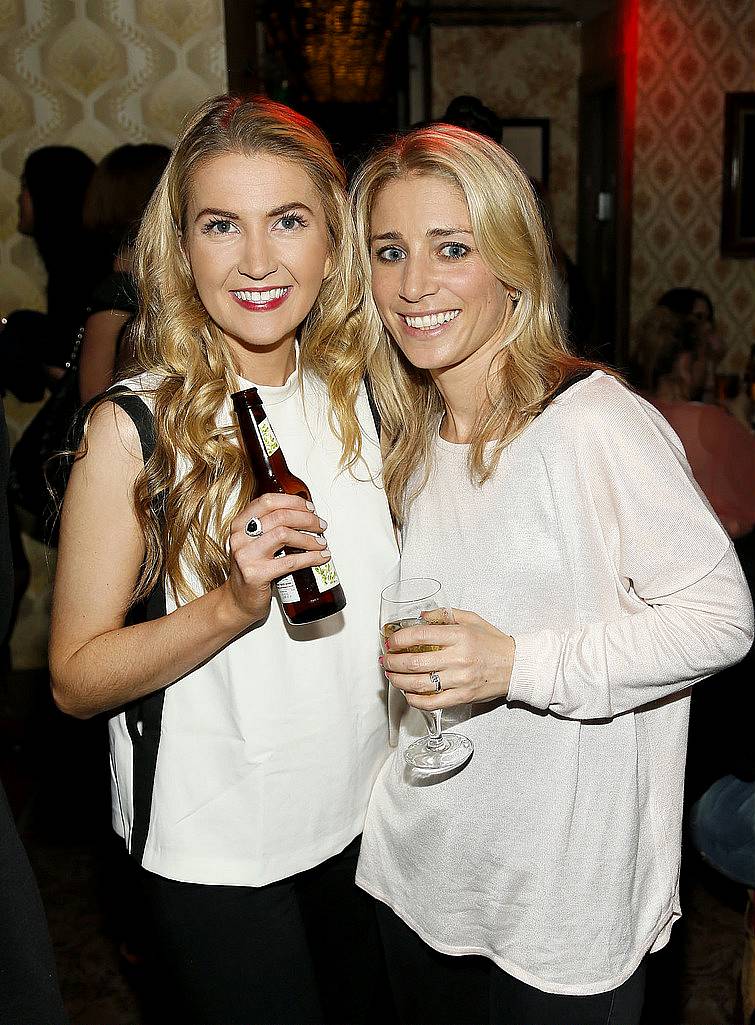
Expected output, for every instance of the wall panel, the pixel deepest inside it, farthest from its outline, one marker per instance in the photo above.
(691, 52)
(527, 71)
(94, 74)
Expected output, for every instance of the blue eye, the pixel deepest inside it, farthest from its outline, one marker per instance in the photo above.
(454, 250)
(292, 221)
(391, 254)
(219, 227)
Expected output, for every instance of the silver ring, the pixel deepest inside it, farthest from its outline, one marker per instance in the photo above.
(435, 681)
(253, 527)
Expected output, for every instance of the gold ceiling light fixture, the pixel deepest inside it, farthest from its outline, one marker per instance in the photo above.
(341, 45)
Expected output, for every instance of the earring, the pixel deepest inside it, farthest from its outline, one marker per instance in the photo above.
(515, 298)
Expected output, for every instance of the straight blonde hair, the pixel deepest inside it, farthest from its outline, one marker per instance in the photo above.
(533, 359)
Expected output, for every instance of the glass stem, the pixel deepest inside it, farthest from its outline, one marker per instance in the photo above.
(435, 741)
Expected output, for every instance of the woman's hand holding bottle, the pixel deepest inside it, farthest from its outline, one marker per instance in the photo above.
(261, 529)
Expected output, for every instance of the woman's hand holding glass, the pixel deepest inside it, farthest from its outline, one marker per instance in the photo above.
(408, 603)
(474, 662)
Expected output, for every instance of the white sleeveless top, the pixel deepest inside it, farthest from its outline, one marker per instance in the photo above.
(259, 763)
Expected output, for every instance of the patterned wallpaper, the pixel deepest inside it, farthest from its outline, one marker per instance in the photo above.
(691, 52)
(528, 71)
(94, 74)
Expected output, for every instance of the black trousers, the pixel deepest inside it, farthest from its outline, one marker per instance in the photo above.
(430, 988)
(302, 951)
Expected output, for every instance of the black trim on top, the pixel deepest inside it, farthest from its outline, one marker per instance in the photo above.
(580, 375)
(373, 405)
(144, 717)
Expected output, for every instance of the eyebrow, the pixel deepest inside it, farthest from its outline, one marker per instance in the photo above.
(445, 232)
(285, 207)
(396, 236)
(217, 213)
(231, 216)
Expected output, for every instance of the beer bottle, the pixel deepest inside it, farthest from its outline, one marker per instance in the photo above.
(308, 594)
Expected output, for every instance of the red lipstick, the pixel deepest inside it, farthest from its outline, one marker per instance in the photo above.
(271, 303)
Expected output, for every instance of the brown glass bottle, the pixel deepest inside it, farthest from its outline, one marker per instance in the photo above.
(308, 594)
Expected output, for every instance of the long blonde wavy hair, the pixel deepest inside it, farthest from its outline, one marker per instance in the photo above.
(533, 359)
(197, 480)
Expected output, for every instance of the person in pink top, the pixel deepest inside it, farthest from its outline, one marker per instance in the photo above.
(720, 449)
(671, 361)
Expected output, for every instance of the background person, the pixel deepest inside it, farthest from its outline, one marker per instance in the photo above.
(121, 187)
(29, 989)
(471, 113)
(720, 449)
(53, 184)
(696, 308)
(721, 454)
(243, 750)
(559, 507)
(114, 204)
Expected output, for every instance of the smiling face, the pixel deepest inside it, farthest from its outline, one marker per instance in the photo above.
(257, 243)
(436, 296)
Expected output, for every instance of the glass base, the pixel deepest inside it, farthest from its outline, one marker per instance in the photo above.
(456, 750)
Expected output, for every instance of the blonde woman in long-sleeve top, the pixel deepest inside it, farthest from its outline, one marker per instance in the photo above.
(592, 585)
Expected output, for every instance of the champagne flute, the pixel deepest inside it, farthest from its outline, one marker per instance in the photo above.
(402, 605)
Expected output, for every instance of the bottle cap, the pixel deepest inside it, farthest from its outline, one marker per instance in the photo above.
(245, 398)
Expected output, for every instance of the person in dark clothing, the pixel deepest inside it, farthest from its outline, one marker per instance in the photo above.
(471, 113)
(55, 179)
(53, 184)
(117, 196)
(696, 310)
(689, 302)
(575, 305)
(29, 991)
(112, 208)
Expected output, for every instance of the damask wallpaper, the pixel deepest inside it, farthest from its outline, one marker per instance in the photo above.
(691, 52)
(94, 74)
(528, 71)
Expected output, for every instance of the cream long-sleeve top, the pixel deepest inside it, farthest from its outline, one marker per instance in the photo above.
(555, 852)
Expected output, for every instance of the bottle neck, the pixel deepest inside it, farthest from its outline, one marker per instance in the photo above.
(265, 455)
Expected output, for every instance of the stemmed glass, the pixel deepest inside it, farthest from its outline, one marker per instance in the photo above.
(402, 605)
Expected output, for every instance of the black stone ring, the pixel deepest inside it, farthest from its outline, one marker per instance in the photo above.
(253, 527)
(435, 681)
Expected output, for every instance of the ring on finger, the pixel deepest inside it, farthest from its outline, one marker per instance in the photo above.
(435, 681)
(253, 527)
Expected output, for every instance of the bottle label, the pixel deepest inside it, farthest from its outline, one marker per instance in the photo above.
(268, 437)
(287, 590)
(326, 577)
